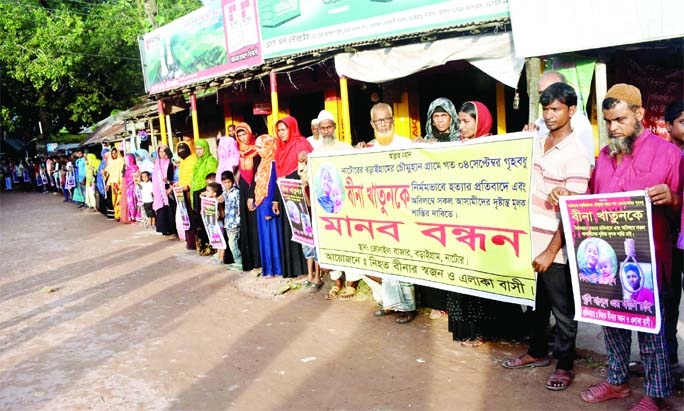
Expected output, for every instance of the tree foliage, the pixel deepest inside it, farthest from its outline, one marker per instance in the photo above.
(68, 63)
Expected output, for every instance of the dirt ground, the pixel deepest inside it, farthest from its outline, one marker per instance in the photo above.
(97, 315)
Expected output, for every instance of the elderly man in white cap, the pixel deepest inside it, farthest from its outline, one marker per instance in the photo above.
(315, 137)
(329, 142)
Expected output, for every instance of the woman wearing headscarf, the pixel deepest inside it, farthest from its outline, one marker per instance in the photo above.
(205, 164)
(131, 171)
(228, 155)
(442, 126)
(100, 182)
(114, 174)
(143, 160)
(474, 320)
(80, 175)
(92, 165)
(163, 204)
(289, 144)
(442, 123)
(249, 230)
(268, 220)
(187, 163)
(476, 120)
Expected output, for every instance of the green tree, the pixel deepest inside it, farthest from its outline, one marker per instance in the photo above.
(68, 63)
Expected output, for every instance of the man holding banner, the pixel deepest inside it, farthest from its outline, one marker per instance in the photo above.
(561, 167)
(636, 159)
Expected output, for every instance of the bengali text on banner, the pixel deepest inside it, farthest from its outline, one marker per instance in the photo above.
(453, 216)
(612, 260)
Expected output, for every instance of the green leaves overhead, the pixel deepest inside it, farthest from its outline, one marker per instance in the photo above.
(69, 63)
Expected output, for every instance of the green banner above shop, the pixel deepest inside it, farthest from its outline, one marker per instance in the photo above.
(295, 26)
(216, 39)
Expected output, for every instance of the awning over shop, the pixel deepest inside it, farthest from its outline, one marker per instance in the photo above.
(491, 53)
(110, 130)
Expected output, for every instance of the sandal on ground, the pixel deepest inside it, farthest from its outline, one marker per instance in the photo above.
(406, 317)
(305, 283)
(473, 343)
(435, 314)
(525, 361)
(382, 313)
(314, 288)
(347, 293)
(604, 392)
(560, 380)
(333, 293)
(646, 405)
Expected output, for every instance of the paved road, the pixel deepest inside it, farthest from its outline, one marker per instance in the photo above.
(97, 315)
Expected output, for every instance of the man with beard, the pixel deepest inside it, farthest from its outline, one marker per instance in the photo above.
(562, 166)
(329, 143)
(636, 159)
(382, 121)
(398, 297)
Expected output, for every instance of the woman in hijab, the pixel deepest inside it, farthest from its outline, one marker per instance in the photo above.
(92, 165)
(476, 120)
(114, 173)
(205, 164)
(187, 163)
(249, 230)
(442, 126)
(228, 155)
(143, 160)
(130, 173)
(443, 123)
(268, 216)
(289, 144)
(100, 182)
(474, 320)
(163, 204)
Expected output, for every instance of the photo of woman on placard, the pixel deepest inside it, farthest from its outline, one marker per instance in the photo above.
(329, 190)
(597, 262)
(293, 212)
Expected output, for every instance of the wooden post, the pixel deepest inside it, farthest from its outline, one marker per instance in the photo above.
(533, 70)
(346, 122)
(195, 121)
(274, 102)
(601, 90)
(162, 121)
(153, 137)
(500, 108)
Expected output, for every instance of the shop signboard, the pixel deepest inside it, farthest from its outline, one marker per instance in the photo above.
(293, 26)
(219, 38)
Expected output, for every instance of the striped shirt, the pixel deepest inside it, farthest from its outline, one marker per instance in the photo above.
(567, 165)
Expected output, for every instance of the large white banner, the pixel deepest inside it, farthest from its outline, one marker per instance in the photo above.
(590, 24)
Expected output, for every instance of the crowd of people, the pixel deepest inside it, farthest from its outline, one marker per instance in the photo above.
(139, 187)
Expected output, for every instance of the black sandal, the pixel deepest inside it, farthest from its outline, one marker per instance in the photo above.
(382, 313)
(406, 317)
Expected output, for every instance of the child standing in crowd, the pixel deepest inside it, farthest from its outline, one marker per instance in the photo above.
(215, 191)
(146, 191)
(313, 271)
(231, 199)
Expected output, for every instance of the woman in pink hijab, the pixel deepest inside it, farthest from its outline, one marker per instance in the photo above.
(130, 212)
(228, 155)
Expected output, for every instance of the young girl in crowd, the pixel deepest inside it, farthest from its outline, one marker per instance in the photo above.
(146, 191)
